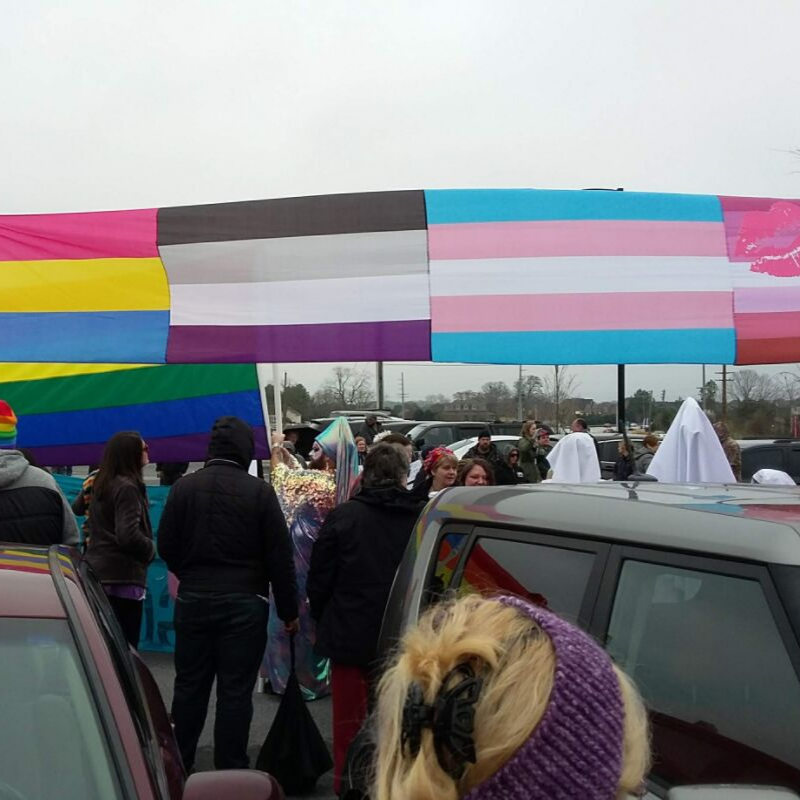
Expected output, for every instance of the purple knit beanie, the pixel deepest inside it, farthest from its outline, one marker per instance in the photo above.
(575, 752)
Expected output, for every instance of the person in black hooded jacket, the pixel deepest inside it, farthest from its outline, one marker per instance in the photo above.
(353, 565)
(222, 533)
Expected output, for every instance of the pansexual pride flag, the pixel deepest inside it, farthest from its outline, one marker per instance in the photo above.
(82, 287)
(67, 412)
(503, 276)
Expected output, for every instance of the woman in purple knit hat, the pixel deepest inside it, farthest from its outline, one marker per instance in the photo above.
(499, 699)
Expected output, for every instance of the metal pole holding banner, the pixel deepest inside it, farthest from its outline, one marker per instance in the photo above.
(621, 421)
(379, 385)
(263, 382)
(276, 388)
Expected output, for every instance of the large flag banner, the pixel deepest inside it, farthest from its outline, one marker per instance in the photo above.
(67, 412)
(503, 276)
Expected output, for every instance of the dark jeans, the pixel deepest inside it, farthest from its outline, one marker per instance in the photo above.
(129, 616)
(223, 636)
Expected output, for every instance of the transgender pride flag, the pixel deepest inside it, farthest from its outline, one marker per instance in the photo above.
(578, 277)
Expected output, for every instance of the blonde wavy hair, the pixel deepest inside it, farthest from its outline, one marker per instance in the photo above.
(518, 661)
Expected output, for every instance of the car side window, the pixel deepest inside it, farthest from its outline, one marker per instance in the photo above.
(710, 662)
(126, 670)
(468, 431)
(609, 451)
(761, 458)
(450, 549)
(439, 435)
(794, 461)
(553, 577)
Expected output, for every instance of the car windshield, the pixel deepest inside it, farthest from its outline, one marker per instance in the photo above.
(51, 740)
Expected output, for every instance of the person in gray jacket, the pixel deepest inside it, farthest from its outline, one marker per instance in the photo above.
(33, 509)
(646, 453)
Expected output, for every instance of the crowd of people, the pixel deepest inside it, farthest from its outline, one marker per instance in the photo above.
(481, 699)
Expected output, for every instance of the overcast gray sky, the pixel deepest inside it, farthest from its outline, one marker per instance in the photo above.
(111, 105)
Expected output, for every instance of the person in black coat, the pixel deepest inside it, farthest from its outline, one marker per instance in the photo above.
(353, 565)
(224, 536)
(623, 468)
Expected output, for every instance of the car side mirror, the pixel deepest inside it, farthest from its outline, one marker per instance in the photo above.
(242, 784)
(730, 793)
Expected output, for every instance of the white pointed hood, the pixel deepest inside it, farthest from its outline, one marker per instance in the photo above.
(691, 452)
(574, 460)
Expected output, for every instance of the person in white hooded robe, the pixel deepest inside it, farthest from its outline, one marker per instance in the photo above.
(691, 451)
(574, 460)
(773, 477)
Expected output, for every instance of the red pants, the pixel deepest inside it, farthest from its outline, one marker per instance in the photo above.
(350, 687)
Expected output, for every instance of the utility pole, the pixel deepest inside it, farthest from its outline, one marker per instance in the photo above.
(519, 395)
(703, 390)
(403, 395)
(379, 383)
(724, 393)
(725, 378)
(557, 399)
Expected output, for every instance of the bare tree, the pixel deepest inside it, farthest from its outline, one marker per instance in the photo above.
(749, 386)
(435, 400)
(496, 396)
(557, 388)
(348, 387)
(528, 393)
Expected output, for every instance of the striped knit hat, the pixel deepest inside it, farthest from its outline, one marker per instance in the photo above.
(8, 425)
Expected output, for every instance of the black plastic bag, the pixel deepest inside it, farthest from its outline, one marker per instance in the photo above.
(294, 751)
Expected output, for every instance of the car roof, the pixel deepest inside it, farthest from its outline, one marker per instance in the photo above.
(26, 582)
(746, 444)
(744, 521)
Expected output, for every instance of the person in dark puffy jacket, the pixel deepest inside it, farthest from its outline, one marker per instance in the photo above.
(224, 536)
(353, 564)
(33, 510)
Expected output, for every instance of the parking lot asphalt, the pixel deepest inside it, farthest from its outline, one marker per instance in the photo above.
(264, 708)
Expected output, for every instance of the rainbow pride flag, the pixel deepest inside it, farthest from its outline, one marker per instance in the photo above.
(504, 276)
(67, 412)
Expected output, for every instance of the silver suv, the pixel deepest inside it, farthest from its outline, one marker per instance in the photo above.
(693, 590)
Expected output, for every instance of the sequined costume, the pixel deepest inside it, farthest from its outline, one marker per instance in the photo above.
(306, 496)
